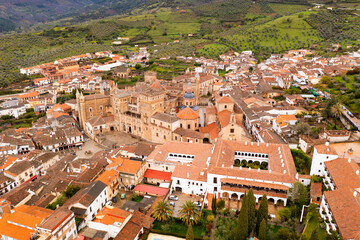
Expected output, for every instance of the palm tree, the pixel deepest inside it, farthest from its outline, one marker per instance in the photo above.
(189, 213)
(336, 111)
(163, 211)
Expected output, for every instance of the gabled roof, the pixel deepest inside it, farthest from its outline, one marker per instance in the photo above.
(224, 99)
(187, 114)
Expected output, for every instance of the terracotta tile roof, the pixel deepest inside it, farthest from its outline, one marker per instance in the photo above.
(281, 163)
(30, 216)
(108, 176)
(316, 189)
(190, 172)
(30, 94)
(212, 129)
(323, 149)
(189, 133)
(211, 110)
(345, 208)
(224, 117)
(134, 226)
(13, 231)
(56, 218)
(150, 173)
(187, 114)
(129, 166)
(343, 172)
(109, 215)
(225, 99)
(149, 189)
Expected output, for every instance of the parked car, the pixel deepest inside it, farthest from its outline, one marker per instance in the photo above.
(172, 204)
(198, 204)
(122, 196)
(174, 197)
(114, 199)
(109, 203)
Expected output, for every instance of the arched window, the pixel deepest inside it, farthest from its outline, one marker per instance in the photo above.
(90, 109)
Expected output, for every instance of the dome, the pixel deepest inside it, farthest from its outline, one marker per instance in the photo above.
(189, 95)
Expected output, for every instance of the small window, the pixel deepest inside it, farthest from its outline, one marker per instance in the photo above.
(90, 109)
(215, 180)
(232, 130)
(225, 106)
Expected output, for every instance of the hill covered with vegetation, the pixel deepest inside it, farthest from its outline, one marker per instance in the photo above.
(186, 27)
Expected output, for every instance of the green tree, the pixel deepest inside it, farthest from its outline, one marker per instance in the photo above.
(336, 112)
(71, 190)
(314, 235)
(251, 201)
(213, 205)
(262, 230)
(334, 235)
(284, 214)
(241, 232)
(220, 204)
(163, 211)
(137, 66)
(299, 194)
(283, 234)
(189, 233)
(328, 104)
(189, 213)
(262, 213)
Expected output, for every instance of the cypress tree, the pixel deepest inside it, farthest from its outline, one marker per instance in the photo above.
(262, 213)
(262, 230)
(213, 205)
(241, 232)
(251, 210)
(190, 233)
(314, 235)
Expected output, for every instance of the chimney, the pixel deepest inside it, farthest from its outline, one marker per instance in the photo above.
(222, 165)
(284, 171)
(357, 172)
(355, 193)
(327, 144)
(231, 166)
(267, 144)
(202, 173)
(349, 160)
(187, 175)
(245, 142)
(258, 143)
(258, 169)
(251, 143)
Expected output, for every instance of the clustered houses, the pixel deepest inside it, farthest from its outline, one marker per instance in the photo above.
(202, 169)
(278, 70)
(30, 222)
(263, 120)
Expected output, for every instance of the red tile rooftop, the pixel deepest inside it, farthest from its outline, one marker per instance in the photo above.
(158, 175)
(153, 190)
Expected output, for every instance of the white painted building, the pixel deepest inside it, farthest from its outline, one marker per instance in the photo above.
(322, 153)
(93, 199)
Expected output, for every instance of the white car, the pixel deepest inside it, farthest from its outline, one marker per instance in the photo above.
(172, 204)
(173, 197)
(198, 204)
